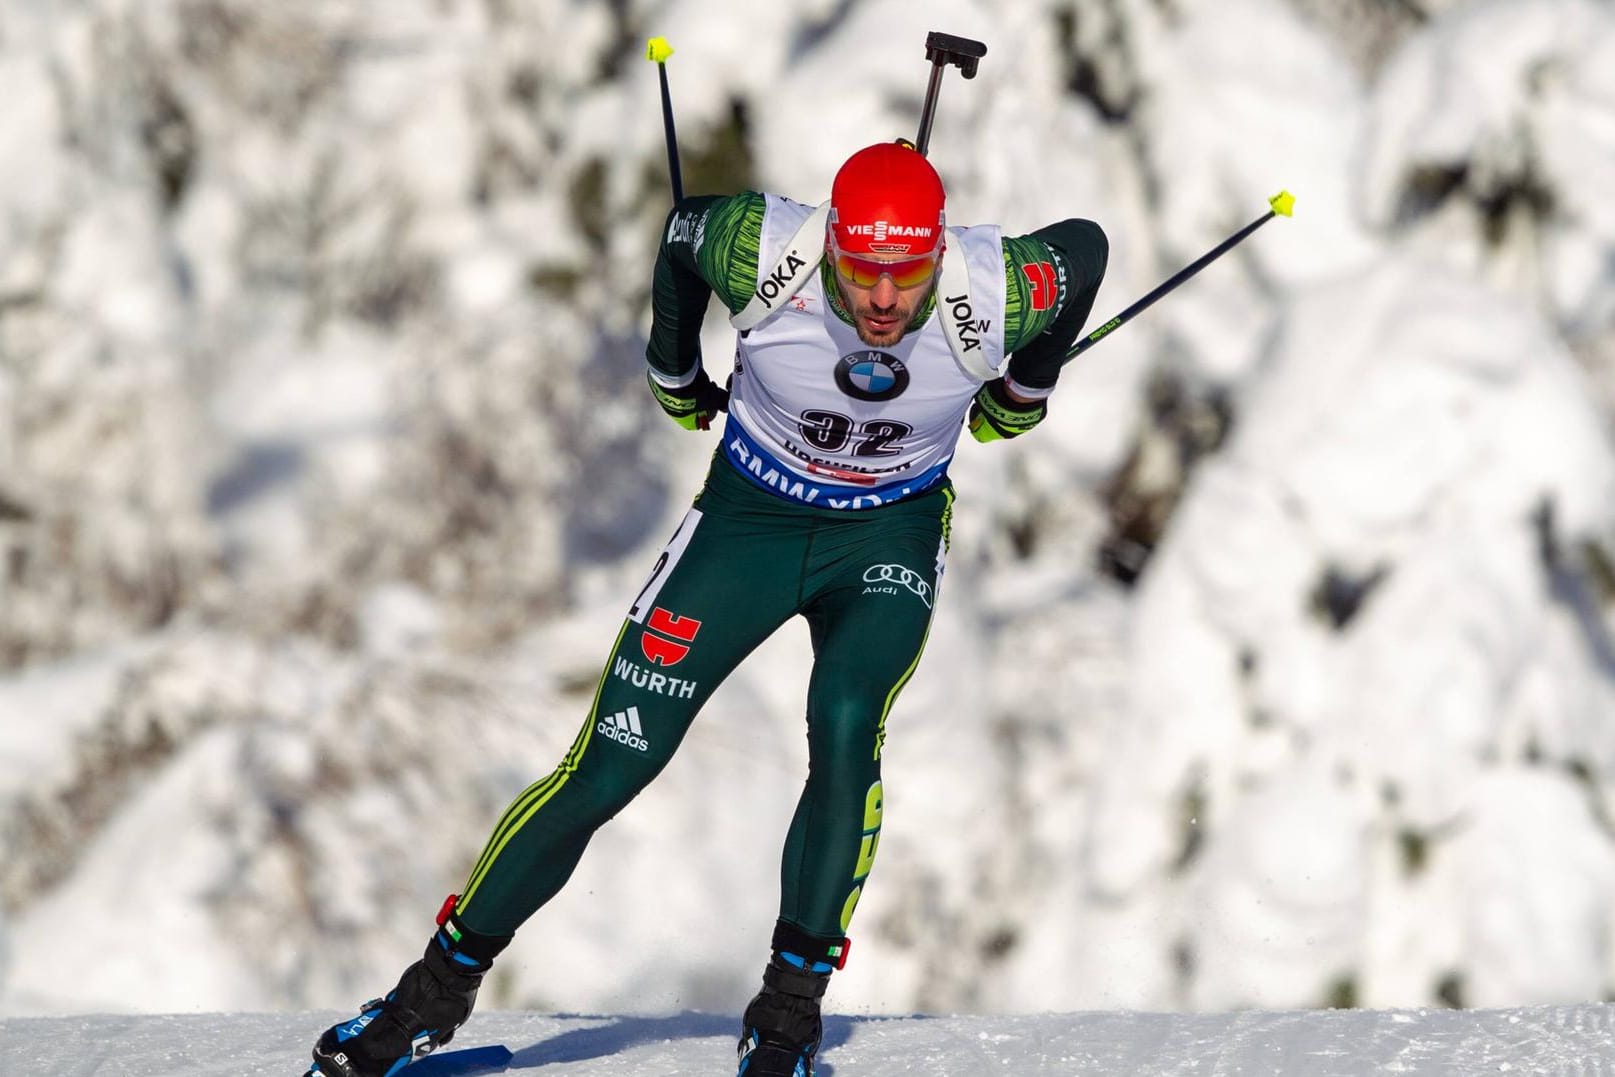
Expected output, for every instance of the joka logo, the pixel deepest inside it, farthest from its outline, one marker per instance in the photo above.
(871, 375)
(964, 320)
(886, 579)
(623, 727)
(1041, 277)
(659, 648)
(778, 278)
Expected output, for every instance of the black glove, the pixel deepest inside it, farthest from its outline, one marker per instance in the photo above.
(995, 415)
(693, 406)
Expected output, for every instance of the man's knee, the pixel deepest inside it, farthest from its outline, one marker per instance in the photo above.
(846, 725)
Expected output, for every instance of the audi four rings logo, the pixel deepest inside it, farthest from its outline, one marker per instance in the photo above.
(901, 577)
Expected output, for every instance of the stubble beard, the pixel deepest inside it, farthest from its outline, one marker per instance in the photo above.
(880, 340)
(883, 339)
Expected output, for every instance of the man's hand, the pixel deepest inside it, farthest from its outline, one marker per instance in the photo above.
(999, 413)
(694, 405)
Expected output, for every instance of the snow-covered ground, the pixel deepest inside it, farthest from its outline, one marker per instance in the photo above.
(1274, 670)
(1543, 1041)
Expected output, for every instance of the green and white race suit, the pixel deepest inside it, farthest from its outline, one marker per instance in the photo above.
(828, 500)
(816, 415)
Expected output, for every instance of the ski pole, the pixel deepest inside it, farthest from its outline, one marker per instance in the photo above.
(1282, 204)
(942, 50)
(658, 50)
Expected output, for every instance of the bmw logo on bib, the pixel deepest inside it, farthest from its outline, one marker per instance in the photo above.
(871, 375)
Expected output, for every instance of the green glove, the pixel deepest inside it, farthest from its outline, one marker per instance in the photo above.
(693, 406)
(995, 416)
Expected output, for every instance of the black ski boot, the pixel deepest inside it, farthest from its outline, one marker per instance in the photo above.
(433, 998)
(782, 1028)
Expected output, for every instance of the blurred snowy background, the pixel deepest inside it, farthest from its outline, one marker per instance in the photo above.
(1274, 670)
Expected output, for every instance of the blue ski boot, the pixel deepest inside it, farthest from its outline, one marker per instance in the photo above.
(782, 1028)
(433, 999)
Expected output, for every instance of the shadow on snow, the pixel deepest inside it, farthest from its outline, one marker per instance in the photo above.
(625, 1033)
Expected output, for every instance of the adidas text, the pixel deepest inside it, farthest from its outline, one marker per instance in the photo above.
(623, 727)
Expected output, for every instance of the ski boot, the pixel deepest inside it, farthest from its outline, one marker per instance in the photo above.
(782, 1028)
(433, 999)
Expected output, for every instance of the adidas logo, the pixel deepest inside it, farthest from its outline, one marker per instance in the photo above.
(623, 727)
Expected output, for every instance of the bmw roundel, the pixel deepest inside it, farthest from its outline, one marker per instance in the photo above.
(871, 375)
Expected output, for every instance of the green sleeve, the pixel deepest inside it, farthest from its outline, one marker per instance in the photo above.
(709, 244)
(1051, 278)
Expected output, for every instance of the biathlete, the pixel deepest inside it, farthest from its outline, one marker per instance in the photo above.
(870, 334)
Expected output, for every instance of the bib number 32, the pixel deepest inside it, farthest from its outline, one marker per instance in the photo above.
(830, 431)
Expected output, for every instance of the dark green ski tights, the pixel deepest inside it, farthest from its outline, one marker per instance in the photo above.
(742, 562)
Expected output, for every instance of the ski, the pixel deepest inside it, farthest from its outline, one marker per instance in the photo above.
(468, 1062)
(462, 1063)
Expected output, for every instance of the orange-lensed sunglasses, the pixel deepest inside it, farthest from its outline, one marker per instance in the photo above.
(866, 272)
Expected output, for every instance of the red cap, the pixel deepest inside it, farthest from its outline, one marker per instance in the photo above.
(887, 200)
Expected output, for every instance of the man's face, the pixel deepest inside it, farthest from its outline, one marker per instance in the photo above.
(881, 308)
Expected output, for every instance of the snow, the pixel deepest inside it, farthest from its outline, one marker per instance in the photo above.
(323, 488)
(1528, 1042)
